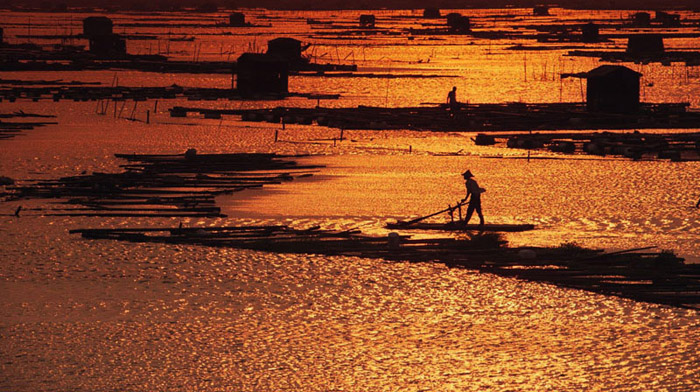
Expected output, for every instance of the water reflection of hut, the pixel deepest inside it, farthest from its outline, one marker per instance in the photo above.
(236, 19)
(367, 21)
(667, 20)
(94, 26)
(110, 45)
(590, 32)
(612, 88)
(540, 10)
(645, 44)
(641, 19)
(261, 74)
(431, 13)
(458, 23)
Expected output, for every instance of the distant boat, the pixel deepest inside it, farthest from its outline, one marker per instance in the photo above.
(458, 226)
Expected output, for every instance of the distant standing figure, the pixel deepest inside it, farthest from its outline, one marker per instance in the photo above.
(697, 205)
(475, 192)
(452, 100)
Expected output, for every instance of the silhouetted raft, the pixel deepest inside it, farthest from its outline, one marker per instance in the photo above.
(636, 145)
(177, 185)
(657, 277)
(475, 117)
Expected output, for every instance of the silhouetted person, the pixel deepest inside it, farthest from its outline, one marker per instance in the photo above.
(452, 100)
(697, 205)
(17, 211)
(475, 192)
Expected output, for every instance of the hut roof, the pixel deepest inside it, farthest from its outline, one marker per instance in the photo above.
(283, 40)
(605, 70)
(602, 71)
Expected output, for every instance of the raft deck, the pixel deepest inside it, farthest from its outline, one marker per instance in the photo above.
(460, 226)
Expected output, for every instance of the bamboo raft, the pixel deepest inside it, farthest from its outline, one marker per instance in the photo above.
(178, 185)
(655, 277)
(10, 129)
(460, 226)
(673, 146)
(121, 93)
(472, 118)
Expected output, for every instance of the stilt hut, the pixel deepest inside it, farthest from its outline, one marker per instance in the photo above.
(95, 26)
(612, 88)
(667, 19)
(258, 74)
(2, 36)
(287, 48)
(590, 32)
(645, 44)
(458, 23)
(431, 13)
(237, 19)
(367, 21)
(641, 19)
(540, 10)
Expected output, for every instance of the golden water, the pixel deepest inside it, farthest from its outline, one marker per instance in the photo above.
(99, 315)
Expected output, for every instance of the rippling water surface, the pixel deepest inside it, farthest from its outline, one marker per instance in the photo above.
(98, 315)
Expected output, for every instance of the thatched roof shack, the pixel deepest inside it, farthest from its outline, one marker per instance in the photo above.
(258, 74)
(94, 26)
(645, 44)
(612, 88)
(367, 21)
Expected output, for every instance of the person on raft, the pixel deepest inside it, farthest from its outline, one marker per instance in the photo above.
(475, 192)
(452, 101)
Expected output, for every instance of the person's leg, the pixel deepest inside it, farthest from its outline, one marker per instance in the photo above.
(481, 216)
(470, 212)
